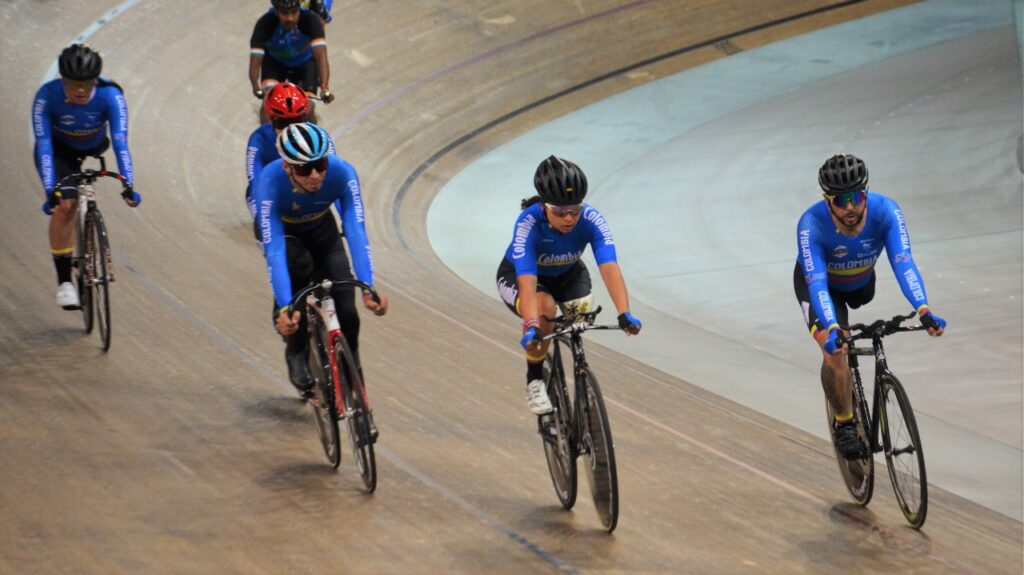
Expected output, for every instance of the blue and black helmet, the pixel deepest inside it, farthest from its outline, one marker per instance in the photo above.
(302, 143)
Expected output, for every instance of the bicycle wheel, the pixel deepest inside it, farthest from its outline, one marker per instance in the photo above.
(356, 414)
(858, 474)
(599, 449)
(100, 255)
(556, 431)
(903, 454)
(325, 408)
(83, 275)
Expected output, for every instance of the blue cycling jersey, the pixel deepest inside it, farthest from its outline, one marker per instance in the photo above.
(291, 47)
(81, 127)
(831, 260)
(279, 205)
(538, 249)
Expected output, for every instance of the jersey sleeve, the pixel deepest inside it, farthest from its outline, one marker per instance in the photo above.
(117, 114)
(253, 161)
(313, 28)
(601, 241)
(812, 261)
(897, 248)
(354, 222)
(262, 32)
(523, 252)
(272, 236)
(42, 129)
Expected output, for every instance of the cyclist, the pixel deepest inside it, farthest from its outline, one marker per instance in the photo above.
(321, 8)
(284, 104)
(301, 242)
(70, 116)
(288, 43)
(839, 240)
(542, 265)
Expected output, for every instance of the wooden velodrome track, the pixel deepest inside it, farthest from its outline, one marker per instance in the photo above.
(185, 450)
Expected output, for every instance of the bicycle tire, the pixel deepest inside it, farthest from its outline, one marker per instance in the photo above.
(858, 474)
(83, 277)
(903, 453)
(325, 408)
(599, 449)
(556, 430)
(356, 414)
(101, 277)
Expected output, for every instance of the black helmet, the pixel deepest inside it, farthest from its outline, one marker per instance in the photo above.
(843, 173)
(80, 62)
(560, 182)
(286, 4)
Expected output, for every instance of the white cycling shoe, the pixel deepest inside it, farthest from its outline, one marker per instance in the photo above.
(537, 397)
(67, 296)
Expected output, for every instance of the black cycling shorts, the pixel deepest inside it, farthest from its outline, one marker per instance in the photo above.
(840, 300)
(68, 160)
(573, 284)
(304, 75)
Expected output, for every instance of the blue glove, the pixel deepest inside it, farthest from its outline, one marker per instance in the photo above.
(832, 342)
(629, 323)
(48, 208)
(933, 321)
(52, 201)
(132, 197)
(530, 335)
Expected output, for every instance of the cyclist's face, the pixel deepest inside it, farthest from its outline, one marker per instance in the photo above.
(563, 224)
(849, 214)
(289, 18)
(310, 183)
(78, 91)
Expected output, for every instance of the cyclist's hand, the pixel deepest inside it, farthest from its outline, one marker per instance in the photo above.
(132, 198)
(832, 344)
(326, 95)
(51, 203)
(531, 339)
(287, 325)
(935, 324)
(629, 324)
(377, 307)
(258, 92)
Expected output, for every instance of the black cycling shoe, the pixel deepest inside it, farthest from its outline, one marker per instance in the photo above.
(848, 443)
(298, 373)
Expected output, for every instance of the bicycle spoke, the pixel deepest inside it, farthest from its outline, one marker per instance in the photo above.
(903, 452)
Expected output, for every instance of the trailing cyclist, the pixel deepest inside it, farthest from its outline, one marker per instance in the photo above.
(301, 241)
(542, 266)
(288, 43)
(839, 240)
(70, 118)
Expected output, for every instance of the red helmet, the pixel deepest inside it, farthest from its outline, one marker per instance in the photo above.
(286, 101)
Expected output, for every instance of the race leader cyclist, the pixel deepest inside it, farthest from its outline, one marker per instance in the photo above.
(301, 240)
(70, 116)
(321, 8)
(284, 104)
(839, 240)
(542, 265)
(288, 43)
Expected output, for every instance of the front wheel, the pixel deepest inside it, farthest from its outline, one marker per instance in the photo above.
(903, 454)
(325, 408)
(100, 255)
(357, 414)
(84, 274)
(556, 431)
(599, 449)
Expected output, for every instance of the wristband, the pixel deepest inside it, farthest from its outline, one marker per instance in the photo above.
(530, 322)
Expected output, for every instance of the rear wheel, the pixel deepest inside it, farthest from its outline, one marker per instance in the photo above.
(556, 433)
(325, 409)
(903, 454)
(599, 450)
(858, 474)
(101, 278)
(83, 275)
(357, 414)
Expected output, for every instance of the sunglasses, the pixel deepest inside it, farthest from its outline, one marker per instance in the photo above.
(840, 200)
(305, 169)
(562, 211)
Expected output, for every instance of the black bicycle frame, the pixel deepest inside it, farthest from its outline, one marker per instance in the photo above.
(881, 369)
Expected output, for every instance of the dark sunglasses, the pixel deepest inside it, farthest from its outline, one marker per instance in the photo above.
(562, 211)
(840, 200)
(305, 169)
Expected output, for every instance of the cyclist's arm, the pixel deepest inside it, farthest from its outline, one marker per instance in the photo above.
(261, 34)
(616, 285)
(353, 220)
(253, 158)
(117, 110)
(528, 306)
(272, 236)
(313, 27)
(897, 248)
(812, 260)
(43, 131)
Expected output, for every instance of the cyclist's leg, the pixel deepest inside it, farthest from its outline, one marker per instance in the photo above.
(835, 371)
(296, 346)
(573, 290)
(508, 289)
(330, 261)
(61, 225)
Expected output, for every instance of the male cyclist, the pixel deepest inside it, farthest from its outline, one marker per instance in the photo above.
(284, 104)
(70, 116)
(301, 240)
(289, 44)
(542, 265)
(321, 8)
(838, 242)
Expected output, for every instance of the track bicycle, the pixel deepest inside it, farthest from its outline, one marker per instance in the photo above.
(94, 271)
(891, 427)
(338, 393)
(578, 424)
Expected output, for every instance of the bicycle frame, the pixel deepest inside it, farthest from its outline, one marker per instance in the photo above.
(327, 316)
(86, 208)
(881, 369)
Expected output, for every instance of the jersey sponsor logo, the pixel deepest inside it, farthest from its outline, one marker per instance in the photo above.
(265, 223)
(853, 264)
(296, 207)
(805, 250)
(93, 116)
(808, 279)
(37, 117)
(67, 120)
(901, 258)
(250, 161)
(507, 292)
(914, 284)
(840, 251)
(826, 307)
(122, 109)
(902, 224)
(559, 259)
(357, 199)
(523, 230)
(591, 215)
